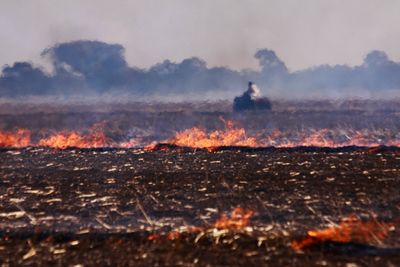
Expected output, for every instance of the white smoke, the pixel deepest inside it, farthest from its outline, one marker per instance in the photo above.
(253, 91)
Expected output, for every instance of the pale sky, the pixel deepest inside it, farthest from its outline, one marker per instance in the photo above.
(303, 33)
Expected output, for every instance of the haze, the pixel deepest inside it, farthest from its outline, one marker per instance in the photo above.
(222, 32)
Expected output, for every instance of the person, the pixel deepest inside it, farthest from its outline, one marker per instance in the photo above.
(253, 91)
(251, 100)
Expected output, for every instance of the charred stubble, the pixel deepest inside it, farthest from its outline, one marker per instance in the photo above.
(96, 206)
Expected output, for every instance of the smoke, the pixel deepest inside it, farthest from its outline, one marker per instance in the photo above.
(94, 68)
(23, 78)
(253, 91)
(271, 66)
(251, 100)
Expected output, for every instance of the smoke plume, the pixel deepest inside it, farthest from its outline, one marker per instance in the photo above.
(87, 68)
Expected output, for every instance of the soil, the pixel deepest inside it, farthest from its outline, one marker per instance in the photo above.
(104, 207)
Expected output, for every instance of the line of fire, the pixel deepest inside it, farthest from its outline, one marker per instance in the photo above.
(220, 184)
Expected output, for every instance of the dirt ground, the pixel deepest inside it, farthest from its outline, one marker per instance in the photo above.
(87, 207)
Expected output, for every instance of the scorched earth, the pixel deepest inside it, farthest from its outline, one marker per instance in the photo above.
(192, 207)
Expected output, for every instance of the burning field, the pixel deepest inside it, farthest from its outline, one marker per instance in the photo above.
(186, 187)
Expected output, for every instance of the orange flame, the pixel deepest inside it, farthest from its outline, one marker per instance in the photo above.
(238, 219)
(74, 139)
(196, 137)
(20, 138)
(351, 229)
(95, 138)
(234, 136)
(230, 136)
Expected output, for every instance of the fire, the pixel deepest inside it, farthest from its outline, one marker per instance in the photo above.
(94, 138)
(74, 139)
(238, 219)
(20, 138)
(196, 137)
(230, 136)
(351, 229)
(235, 136)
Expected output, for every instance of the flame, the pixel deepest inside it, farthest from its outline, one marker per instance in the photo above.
(196, 137)
(230, 136)
(351, 229)
(74, 139)
(20, 138)
(234, 136)
(95, 138)
(238, 219)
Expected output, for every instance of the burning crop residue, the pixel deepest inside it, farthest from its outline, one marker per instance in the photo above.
(197, 137)
(94, 138)
(19, 138)
(62, 140)
(233, 136)
(74, 139)
(351, 230)
(230, 136)
(238, 220)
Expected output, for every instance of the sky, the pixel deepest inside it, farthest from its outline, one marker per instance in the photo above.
(222, 32)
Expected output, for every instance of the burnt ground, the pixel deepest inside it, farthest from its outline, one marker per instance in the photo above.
(100, 206)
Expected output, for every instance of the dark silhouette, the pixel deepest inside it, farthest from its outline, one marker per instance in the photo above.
(251, 100)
